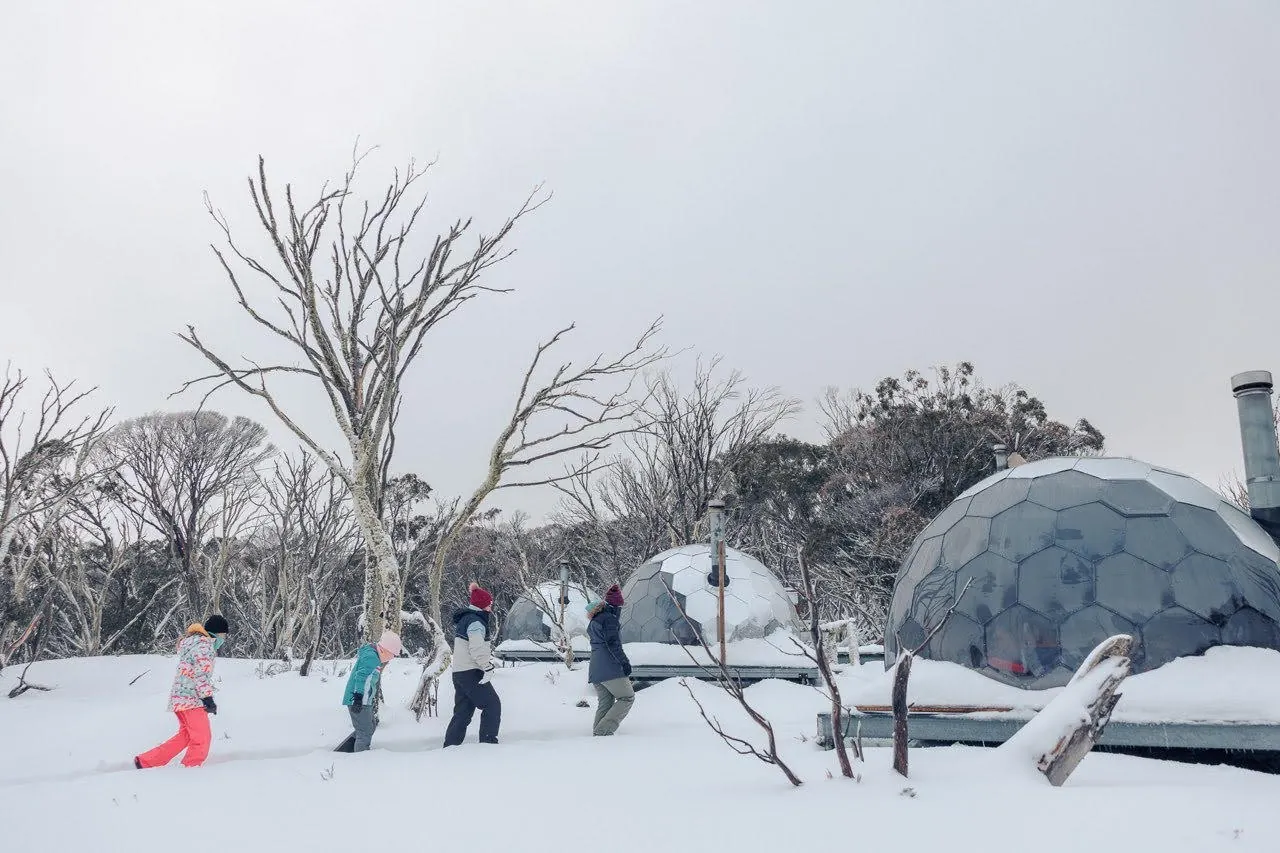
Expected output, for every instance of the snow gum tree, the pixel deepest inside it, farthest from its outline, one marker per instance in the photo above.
(351, 289)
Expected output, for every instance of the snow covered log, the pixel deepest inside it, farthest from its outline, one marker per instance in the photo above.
(1063, 733)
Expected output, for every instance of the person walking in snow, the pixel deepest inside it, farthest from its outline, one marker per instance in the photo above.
(191, 697)
(472, 669)
(362, 686)
(610, 669)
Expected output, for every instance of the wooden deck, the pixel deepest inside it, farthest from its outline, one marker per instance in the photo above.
(991, 727)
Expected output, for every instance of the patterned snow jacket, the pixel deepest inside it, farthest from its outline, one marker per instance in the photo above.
(194, 679)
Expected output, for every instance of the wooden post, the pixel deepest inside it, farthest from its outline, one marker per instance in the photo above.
(720, 616)
(900, 679)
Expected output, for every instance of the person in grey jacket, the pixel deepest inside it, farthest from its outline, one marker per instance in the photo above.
(472, 668)
(610, 670)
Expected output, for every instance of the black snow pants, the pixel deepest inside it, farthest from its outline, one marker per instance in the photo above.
(468, 695)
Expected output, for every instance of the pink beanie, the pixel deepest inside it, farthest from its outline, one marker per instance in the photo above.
(390, 642)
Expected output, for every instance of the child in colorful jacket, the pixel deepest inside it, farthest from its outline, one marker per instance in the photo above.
(362, 685)
(191, 697)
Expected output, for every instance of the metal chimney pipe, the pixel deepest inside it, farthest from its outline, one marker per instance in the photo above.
(1002, 456)
(1261, 454)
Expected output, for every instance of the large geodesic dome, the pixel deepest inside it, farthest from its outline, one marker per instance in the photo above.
(531, 614)
(1062, 553)
(756, 603)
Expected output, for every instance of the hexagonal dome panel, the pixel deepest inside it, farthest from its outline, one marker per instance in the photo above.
(1055, 582)
(756, 603)
(1022, 530)
(1136, 498)
(1206, 586)
(1093, 531)
(1133, 587)
(1174, 633)
(1077, 550)
(1079, 629)
(1156, 539)
(1067, 489)
(999, 497)
(1022, 643)
(989, 584)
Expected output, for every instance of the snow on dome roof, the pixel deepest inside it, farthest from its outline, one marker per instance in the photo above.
(756, 603)
(529, 619)
(1061, 553)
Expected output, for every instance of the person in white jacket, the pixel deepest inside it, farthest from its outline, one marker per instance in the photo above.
(472, 669)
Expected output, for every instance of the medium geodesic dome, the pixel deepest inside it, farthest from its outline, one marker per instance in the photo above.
(529, 618)
(1062, 553)
(755, 601)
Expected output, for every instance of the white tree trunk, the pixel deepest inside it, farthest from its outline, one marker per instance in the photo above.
(382, 573)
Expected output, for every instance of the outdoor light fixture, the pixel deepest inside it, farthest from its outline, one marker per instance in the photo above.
(718, 578)
(564, 586)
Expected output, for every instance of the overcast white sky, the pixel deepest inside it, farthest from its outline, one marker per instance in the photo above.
(1081, 197)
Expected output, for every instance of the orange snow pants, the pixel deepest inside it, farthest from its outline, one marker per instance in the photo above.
(193, 736)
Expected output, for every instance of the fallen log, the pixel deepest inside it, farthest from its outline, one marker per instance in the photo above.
(1066, 730)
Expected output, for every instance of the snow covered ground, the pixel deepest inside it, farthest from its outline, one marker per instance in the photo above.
(664, 783)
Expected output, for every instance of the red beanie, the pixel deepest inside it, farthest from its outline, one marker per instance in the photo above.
(613, 596)
(480, 598)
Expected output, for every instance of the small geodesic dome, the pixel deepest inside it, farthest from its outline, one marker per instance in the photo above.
(1060, 554)
(756, 603)
(535, 612)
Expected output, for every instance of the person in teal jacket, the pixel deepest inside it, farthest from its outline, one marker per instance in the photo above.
(362, 685)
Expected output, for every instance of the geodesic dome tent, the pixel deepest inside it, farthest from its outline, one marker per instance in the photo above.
(528, 618)
(1062, 553)
(756, 603)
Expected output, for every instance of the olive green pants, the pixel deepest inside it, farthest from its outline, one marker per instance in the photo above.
(614, 701)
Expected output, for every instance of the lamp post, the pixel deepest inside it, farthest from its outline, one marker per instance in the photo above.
(564, 589)
(715, 517)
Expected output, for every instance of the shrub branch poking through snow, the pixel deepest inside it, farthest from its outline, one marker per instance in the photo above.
(731, 685)
(823, 661)
(900, 680)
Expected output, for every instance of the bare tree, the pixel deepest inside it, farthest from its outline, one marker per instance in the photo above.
(823, 661)
(730, 683)
(44, 459)
(306, 541)
(191, 476)
(686, 453)
(349, 293)
(572, 412)
(93, 552)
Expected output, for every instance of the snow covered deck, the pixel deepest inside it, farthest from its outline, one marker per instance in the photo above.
(1226, 699)
(995, 729)
(750, 661)
(532, 651)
